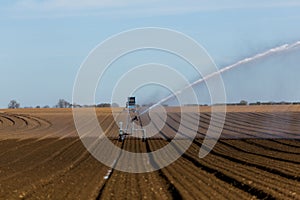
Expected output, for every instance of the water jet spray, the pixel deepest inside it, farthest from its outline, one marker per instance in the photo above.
(269, 52)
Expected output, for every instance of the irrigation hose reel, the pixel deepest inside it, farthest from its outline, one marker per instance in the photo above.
(131, 117)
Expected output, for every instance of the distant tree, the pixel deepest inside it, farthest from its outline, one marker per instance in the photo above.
(102, 105)
(46, 106)
(284, 103)
(38, 107)
(189, 104)
(13, 104)
(63, 104)
(243, 102)
(75, 105)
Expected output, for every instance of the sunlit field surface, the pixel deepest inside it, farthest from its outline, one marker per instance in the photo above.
(257, 157)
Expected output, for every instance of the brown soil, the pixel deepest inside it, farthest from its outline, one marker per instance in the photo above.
(257, 157)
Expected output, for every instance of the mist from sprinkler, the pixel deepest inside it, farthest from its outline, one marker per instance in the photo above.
(239, 63)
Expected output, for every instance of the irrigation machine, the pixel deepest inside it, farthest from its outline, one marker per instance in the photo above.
(133, 126)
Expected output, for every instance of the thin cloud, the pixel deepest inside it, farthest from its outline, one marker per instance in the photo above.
(71, 4)
(121, 8)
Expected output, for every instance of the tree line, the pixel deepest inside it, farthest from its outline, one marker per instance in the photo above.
(13, 104)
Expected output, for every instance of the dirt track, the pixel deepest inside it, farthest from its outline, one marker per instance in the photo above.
(258, 157)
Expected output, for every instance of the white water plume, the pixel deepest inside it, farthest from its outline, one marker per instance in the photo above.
(258, 56)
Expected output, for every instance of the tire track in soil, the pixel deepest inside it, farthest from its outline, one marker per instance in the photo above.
(263, 125)
(288, 142)
(285, 169)
(11, 122)
(109, 179)
(39, 147)
(243, 131)
(40, 162)
(31, 176)
(15, 173)
(77, 179)
(270, 123)
(275, 171)
(258, 166)
(278, 146)
(295, 162)
(262, 180)
(242, 128)
(265, 168)
(160, 134)
(71, 170)
(219, 153)
(1, 123)
(100, 193)
(220, 175)
(203, 126)
(286, 176)
(108, 129)
(112, 170)
(171, 188)
(269, 148)
(277, 119)
(176, 179)
(30, 190)
(20, 144)
(260, 154)
(40, 124)
(18, 123)
(232, 181)
(44, 184)
(260, 194)
(246, 139)
(186, 177)
(131, 181)
(223, 177)
(28, 124)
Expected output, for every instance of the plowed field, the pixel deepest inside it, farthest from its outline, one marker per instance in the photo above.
(257, 157)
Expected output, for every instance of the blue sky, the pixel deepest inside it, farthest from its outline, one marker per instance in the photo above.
(43, 43)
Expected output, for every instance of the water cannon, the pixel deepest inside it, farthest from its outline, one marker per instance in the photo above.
(131, 127)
